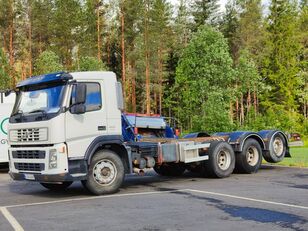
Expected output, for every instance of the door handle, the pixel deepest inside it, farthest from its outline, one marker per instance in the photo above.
(101, 128)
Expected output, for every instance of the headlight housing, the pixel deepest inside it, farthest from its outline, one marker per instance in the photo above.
(53, 159)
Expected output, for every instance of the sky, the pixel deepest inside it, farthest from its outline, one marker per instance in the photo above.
(223, 3)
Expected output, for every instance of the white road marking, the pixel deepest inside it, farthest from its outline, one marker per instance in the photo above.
(14, 223)
(248, 199)
(159, 192)
(94, 198)
(18, 227)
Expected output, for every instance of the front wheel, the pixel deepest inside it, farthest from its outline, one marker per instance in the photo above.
(221, 160)
(106, 173)
(57, 186)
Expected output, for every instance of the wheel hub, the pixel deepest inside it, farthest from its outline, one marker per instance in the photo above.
(278, 146)
(224, 159)
(252, 156)
(104, 172)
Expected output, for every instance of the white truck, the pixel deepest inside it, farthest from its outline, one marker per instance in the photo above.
(6, 106)
(70, 126)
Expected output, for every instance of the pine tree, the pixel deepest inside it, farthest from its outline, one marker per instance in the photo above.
(131, 15)
(42, 15)
(4, 71)
(251, 28)
(205, 12)
(8, 29)
(281, 62)
(230, 27)
(161, 33)
(303, 28)
(66, 29)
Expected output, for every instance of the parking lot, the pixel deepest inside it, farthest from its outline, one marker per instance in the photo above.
(276, 198)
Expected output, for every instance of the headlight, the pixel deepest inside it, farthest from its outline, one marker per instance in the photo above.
(52, 158)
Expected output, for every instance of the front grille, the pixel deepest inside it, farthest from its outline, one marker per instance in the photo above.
(33, 167)
(28, 154)
(28, 135)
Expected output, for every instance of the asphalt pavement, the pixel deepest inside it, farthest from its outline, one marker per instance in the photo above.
(275, 198)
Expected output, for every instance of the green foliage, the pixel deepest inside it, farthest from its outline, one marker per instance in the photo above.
(47, 62)
(91, 64)
(299, 157)
(190, 74)
(203, 79)
(281, 61)
(66, 28)
(229, 27)
(247, 73)
(4, 71)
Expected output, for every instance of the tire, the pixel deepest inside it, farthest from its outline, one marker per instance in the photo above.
(277, 149)
(221, 160)
(170, 169)
(57, 187)
(105, 174)
(250, 159)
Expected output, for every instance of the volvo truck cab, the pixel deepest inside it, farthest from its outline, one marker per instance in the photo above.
(58, 120)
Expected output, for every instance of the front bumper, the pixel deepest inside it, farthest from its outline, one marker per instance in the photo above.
(47, 178)
(32, 163)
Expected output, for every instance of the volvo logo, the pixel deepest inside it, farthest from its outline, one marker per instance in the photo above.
(26, 134)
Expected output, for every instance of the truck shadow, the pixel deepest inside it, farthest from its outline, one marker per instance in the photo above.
(150, 182)
(133, 183)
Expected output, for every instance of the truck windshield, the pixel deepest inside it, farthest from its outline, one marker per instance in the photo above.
(33, 103)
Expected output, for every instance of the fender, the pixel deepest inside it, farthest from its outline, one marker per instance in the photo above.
(116, 143)
(238, 138)
(267, 136)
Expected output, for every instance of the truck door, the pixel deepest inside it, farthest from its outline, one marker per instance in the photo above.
(82, 129)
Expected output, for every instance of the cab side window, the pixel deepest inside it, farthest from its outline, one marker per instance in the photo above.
(94, 97)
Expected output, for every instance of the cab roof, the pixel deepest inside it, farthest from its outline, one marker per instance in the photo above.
(64, 77)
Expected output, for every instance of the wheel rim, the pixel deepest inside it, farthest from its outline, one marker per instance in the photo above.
(224, 159)
(104, 172)
(278, 146)
(252, 156)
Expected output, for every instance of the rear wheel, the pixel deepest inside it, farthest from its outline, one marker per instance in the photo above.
(57, 186)
(106, 173)
(170, 169)
(277, 149)
(249, 160)
(221, 160)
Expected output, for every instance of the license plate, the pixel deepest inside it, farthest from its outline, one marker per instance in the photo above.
(29, 176)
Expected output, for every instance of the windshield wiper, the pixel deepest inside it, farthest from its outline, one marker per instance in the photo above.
(21, 115)
(44, 113)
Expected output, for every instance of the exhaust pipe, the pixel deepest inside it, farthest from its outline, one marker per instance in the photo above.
(138, 171)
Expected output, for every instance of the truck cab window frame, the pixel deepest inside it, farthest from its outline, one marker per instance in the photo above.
(93, 98)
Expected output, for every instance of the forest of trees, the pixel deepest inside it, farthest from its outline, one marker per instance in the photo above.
(213, 70)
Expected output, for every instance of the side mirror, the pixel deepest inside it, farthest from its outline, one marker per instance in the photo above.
(81, 93)
(78, 109)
